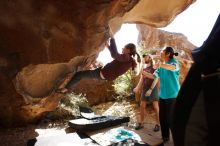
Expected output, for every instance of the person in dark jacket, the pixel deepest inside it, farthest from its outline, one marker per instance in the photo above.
(121, 64)
(196, 121)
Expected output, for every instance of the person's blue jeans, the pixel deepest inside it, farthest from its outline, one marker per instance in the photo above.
(91, 74)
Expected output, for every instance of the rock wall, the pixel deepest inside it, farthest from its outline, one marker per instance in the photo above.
(55, 31)
(96, 91)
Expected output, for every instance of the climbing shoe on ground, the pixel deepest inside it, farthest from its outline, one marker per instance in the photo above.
(157, 128)
(139, 126)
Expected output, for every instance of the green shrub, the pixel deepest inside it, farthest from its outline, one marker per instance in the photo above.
(123, 85)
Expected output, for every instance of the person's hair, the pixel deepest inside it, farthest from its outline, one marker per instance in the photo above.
(170, 51)
(151, 59)
(133, 52)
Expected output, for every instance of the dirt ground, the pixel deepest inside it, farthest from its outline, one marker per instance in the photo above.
(20, 135)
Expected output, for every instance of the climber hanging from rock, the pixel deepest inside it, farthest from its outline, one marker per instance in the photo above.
(121, 63)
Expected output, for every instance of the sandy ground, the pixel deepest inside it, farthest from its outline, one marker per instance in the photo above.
(20, 135)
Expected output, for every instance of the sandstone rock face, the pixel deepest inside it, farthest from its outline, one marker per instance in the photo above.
(96, 91)
(155, 13)
(152, 38)
(48, 32)
(38, 81)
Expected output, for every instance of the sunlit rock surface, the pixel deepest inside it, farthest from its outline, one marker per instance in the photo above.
(155, 13)
(49, 32)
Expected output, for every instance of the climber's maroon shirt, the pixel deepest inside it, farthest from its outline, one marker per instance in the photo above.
(120, 64)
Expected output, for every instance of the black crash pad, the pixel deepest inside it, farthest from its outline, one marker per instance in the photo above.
(90, 121)
(83, 124)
